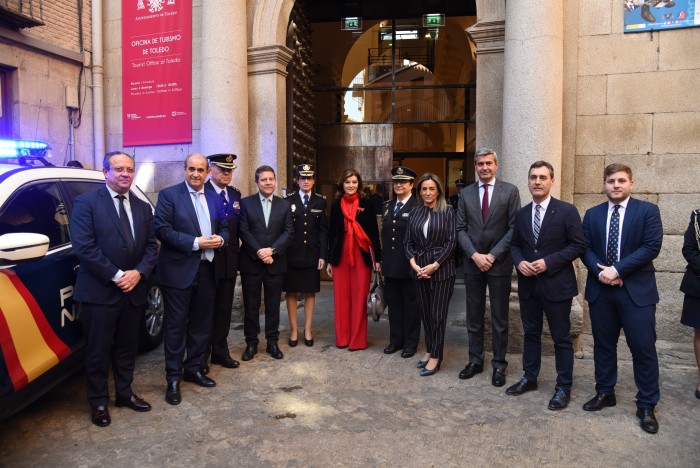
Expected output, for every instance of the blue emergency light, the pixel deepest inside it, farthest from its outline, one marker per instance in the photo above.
(10, 149)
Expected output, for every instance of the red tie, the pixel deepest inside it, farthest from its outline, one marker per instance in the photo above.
(485, 203)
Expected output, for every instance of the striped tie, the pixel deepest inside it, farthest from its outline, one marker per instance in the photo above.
(536, 228)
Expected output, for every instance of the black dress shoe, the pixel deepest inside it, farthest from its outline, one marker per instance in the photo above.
(407, 353)
(292, 343)
(426, 372)
(647, 420)
(133, 402)
(172, 393)
(697, 393)
(205, 368)
(100, 416)
(309, 343)
(600, 401)
(199, 379)
(498, 379)
(224, 361)
(521, 387)
(559, 401)
(391, 349)
(249, 352)
(471, 370)
(274, 351)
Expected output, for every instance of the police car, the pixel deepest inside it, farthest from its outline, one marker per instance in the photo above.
(41, 336)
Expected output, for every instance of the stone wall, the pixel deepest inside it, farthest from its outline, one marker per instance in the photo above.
(42, 66)
(637, 103)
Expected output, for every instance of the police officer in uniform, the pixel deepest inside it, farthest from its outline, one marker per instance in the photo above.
(454, 199)
(306, 253)
(225, 259)
(404, 321)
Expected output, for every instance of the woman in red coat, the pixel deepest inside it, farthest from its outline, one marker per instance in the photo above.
(354, 248)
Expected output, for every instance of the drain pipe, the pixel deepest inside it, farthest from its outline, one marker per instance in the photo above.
(98, 84)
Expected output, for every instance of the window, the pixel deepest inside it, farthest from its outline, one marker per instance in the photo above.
(5, 103)
(37, 209)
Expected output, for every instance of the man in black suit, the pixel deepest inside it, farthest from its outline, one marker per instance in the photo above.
(400, 288)
(485, 215)
(265, 230)
(226, 259)
(547, 238)
(306, 253)
(623, 237)
(113, 238)
(189, 224)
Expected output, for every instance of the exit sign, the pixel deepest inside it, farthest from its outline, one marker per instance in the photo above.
(352, 23)
(434, 20)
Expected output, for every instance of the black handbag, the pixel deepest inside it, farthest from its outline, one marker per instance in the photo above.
(376, 299)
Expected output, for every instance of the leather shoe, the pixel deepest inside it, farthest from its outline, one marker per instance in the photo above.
(199, 379)
(407, 353)
(309, 343)
(600, 401)
(172, 393)
(647, 420)
(249, 353)
(425, 372)
(204, 369)
(697, 393)
(391, 349)
(292, 343)
(133, 402)
(100, 416)
(498, 379)
(225, 361)
(471, 370)
(521, 387)
(559, 401)
(274, 351)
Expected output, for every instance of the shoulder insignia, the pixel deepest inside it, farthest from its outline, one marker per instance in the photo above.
(289, 195)
(235, 189)
(320, 196)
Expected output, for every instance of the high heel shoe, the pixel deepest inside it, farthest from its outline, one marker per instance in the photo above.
(421, 364)
(308, 341)
(426, 372)
(292, 343)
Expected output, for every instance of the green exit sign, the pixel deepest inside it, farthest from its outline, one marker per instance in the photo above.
(434, 20)
(352, 23)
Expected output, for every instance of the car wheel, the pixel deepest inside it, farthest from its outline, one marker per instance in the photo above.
(152, 323)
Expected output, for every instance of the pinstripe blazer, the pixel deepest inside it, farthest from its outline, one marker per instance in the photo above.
(438, 246)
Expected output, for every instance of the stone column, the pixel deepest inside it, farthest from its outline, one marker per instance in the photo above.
(489, 38)
(267, 73)
(224, 92)
(532, 89)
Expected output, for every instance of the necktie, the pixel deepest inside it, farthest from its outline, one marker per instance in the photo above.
(126, 227)
(204, 224)
(538, 220)
(266, 210)
(485, 203)
(224, 202)
(397, 208)
(306, 201)
(613, 236)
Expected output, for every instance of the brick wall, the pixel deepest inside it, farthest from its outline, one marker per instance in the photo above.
(61, 23)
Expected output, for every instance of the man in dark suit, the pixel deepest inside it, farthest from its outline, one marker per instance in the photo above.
(265, 229)
(189, 224)
(400, 288)
(113, 238)
(547, 238)
(306, 252)
(485, 215)
(623, 237)
(226, 259)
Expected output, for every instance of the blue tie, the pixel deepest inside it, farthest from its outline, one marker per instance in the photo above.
(538, 220)
(397, 208)
(306, 202)
(613, 236)
(204, 224)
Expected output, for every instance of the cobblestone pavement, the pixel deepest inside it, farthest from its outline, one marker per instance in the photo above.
(324, 406)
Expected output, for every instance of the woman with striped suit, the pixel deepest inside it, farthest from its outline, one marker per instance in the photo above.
(430, 246)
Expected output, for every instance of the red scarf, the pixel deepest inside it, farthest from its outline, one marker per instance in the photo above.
(349, 205)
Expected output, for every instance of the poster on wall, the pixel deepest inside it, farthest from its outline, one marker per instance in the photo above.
(156, 72)
(649, 15)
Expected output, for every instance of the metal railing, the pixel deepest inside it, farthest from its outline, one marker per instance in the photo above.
(23, 13)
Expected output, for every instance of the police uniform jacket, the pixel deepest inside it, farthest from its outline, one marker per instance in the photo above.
(394, 261)
(226, 259)
(310, 239)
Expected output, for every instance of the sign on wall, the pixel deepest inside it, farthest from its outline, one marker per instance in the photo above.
(156, 71)
(648, 15)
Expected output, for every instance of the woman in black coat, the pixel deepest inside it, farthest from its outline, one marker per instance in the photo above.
(430, 247)
(691, 284)
(354, 249)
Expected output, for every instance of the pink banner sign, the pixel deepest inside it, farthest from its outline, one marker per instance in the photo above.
(157, 71)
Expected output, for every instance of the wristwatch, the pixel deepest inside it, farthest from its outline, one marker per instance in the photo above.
(274, 251)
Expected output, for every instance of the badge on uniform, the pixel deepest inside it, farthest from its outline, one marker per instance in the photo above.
(294, 208)
(405, 215)
(386, 212)
(315, 210)
(236, 205)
